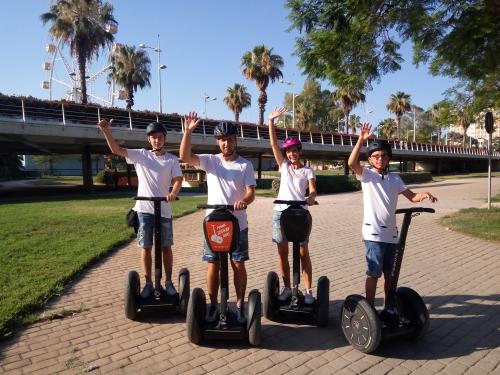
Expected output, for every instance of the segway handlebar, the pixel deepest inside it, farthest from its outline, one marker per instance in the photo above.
(292, 203)
(216, 206)
(154, 199)
(414, 209)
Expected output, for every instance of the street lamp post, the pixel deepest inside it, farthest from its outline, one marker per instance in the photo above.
(208, 98)
(293, 99)
(160, 67)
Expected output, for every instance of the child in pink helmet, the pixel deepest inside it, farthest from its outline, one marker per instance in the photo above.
(295, 179)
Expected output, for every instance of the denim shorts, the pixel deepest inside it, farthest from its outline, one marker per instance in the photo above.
(145, 234)
(240, 254)
(380, 257)
(278, 234)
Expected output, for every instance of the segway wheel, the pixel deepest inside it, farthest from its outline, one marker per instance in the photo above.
(253, 317)
(360, 324)
(415, 310)
(183, 291)
(196, 315)
(132, 292)
(270, 297)
(322, 301)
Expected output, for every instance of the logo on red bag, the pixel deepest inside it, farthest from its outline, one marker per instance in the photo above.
(220, 235)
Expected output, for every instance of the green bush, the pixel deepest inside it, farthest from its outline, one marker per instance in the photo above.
(99, 177)
(337, 184)
(416, 177)
(264, 183)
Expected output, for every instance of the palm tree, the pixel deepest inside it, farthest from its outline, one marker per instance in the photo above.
(82, 25)
(464, 118)
(131, 70)
(399, 104)
(261, 66)
(237, 98)
(347, 99)
(386, 127)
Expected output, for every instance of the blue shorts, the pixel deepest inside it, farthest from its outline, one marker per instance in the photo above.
(240, 254)
(380, 257)
(278, 234)
(145, 234)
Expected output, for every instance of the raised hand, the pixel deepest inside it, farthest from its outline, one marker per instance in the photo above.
(103, 124)
(276, 113)
(366, 131)
(191, 121)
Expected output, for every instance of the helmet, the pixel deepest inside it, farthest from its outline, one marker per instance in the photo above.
(225, 129)
(156, 127)
(379, 144)
(291, 141)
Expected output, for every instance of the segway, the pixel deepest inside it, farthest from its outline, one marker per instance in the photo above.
(159, 299)
(404, 315)
(296, 222)
(222, 232)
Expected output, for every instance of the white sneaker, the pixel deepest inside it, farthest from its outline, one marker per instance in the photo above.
(285, 295)
(147, 291)
(170, 289)
(308, 297)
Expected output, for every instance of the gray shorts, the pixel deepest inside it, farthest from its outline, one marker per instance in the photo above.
(278, 234)
(145, 234)
(240, 254)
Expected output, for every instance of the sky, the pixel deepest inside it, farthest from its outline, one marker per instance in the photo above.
(202, 42)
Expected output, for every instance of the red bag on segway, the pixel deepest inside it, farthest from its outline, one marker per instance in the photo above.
(222, 231)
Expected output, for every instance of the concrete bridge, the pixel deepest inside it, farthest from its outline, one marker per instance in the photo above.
(30, 126)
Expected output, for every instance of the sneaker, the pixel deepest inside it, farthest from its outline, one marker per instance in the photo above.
(211, 315)
(148, 290)
(308, 297)
(285, 295)
(170, 289)
(240, 315)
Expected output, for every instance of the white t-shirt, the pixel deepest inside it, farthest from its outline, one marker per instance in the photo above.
(227, 182)
(293, 183)
(380, 199)
(155, 175)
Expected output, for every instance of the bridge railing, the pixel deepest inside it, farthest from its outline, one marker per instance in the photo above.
(68, 114)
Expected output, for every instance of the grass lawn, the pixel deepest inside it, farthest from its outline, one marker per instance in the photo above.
(477, 222)
(45, 243)
(464, 175)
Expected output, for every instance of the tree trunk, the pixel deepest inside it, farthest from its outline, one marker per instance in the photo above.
(262, 106)
(130, 99)
(83, 80)
(398, 120)
(236, 116)
(346, 121)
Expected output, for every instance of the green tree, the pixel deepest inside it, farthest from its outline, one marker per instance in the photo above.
(354, 123)
(399, 103)
(131, 70)
(386, 128)
(354, 43)
(82, 25)
(262, 66)
(347, 99)
(317, 105)
(237, 98)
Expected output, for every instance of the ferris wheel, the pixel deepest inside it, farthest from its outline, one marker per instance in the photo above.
(64, 80)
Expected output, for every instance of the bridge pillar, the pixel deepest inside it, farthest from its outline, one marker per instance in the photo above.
(88, 183)
(129, 174)
(346, 166)
(439, 167)
(259, 167)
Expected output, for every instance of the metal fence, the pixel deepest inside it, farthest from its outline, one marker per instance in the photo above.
(75, 114)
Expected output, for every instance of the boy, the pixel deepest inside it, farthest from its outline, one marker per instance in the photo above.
(380, 197)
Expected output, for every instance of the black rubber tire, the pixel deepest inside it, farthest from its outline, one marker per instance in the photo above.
(196, 315)
(322, 301)
(184, 290)
(253, 317)
(270, 297)
(132, 293)
(360, 324)
(415, 310)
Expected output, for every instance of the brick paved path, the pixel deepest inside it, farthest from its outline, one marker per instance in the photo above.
(458, 276)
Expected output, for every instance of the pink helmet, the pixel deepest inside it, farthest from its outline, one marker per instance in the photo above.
(291, 141)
